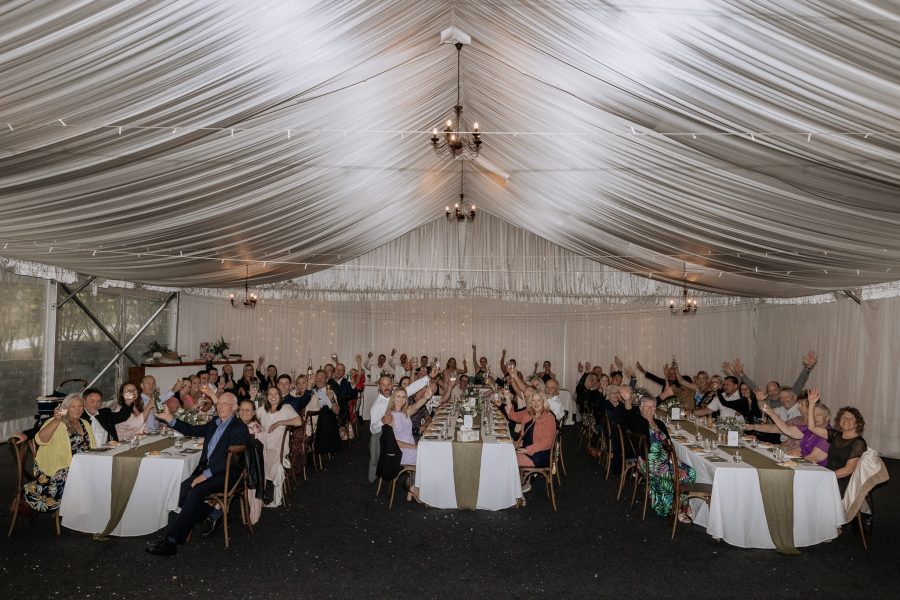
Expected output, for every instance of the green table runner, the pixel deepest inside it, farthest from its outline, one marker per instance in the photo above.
(467, 472)
(125, 468)
(776, 486)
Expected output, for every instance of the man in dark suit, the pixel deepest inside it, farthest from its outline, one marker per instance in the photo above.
(101, 419)
(209, 476)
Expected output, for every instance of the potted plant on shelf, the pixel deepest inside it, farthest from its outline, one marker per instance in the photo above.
(156, 350)
(220, 348)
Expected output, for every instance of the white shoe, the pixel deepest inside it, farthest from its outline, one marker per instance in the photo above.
(526, 487)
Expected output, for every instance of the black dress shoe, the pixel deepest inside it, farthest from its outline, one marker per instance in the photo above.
(162, 548)
(211, 526)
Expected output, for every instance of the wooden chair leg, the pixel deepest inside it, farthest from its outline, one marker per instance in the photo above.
(676, 508)
(15, 515)
(552, 494)
(646, 498)
(622, 482)
(57, 520)
(378, 489)
(862, 533)
(562, 460)
(393, 489)
(225, 523)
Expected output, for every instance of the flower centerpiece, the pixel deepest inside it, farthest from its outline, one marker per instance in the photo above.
(219, 348)
(188, 416)
(155, 350)
(735, 423)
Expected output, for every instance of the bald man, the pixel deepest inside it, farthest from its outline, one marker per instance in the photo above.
(209, 477)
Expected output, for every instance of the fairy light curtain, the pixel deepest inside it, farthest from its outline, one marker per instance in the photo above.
(167, 142)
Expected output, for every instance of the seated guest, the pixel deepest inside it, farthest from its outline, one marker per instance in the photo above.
(180, 392)
(539, 429)
(377, 369)
(299, 393)
(400, 366)
(811, 447)
(243, 385)
(552, 393)
(482, 371)
(846, 443)
(399, 417)
(727, 402)
(343, 391)
(657, 464)
(149, 394)
(273, 417)
(59, 438)
(209, 476)
(267, 379)
(103, 421)
(381, 407)
(328, 437)
(544, 372)
(404, 381)
(227, 378)
(134, 409)
(247, 414)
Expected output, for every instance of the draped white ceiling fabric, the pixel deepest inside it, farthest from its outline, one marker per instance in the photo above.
(755, 141)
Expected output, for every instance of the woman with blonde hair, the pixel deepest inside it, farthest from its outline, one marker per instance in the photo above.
(538, 431)
(61, 437)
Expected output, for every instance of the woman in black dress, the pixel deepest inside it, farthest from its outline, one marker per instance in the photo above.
(846, 443)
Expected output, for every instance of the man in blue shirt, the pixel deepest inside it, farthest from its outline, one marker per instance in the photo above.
(209, 477)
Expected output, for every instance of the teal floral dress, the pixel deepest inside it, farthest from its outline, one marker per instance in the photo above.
(45, 492)
(662, 488)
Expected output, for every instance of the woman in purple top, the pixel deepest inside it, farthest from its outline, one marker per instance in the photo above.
(812, 447)
(400, 411)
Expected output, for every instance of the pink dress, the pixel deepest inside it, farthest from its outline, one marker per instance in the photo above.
(132, 427)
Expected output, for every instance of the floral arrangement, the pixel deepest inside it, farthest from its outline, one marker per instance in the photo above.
(468, 408)
(204, 349)
(188, 416)
(219, 348)
(156, 350)
(735, 423)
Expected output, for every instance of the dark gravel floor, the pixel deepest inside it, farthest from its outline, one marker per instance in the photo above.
(336, 540)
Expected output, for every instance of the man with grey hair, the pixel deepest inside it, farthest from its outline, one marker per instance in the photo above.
(218, 435)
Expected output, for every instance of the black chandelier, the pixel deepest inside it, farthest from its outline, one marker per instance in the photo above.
(688, 305)
(457, 142)
(459, 209)
(250, 300)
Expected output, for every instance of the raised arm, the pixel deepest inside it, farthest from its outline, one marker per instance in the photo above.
(788, 430)
(811, 416)
(809, 363)
(737, 368)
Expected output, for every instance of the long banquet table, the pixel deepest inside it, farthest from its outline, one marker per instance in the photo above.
(86, 502)
(497, 476)
(737, 514)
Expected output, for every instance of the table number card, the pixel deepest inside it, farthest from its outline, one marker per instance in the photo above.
(733, 437)
(676, 412)
(467, 421)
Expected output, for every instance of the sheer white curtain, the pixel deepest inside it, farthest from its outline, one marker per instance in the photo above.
(857, 345)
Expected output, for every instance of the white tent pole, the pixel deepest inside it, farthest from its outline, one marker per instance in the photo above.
(48, 365)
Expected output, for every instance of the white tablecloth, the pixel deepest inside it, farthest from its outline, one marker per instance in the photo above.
(736, 513)
(85, 502)
(498, 488)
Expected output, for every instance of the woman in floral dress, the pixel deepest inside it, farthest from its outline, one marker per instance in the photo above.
(657, 463)
(61, 437)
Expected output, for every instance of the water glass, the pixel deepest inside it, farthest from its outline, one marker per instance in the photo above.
(135, 442)
(179, 444)
(737, 456)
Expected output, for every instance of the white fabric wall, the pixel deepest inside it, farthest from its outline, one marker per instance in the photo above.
(290, 332)
(856, 344)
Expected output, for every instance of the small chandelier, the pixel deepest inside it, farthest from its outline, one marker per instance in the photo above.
(456, 142)
(250, 300)
(688, 305)
(459, 209)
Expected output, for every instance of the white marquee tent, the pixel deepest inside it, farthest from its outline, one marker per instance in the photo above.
(748, 148)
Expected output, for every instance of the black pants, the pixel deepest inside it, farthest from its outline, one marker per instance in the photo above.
(193, 507)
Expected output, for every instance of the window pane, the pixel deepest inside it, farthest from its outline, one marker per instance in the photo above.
(21, 344)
